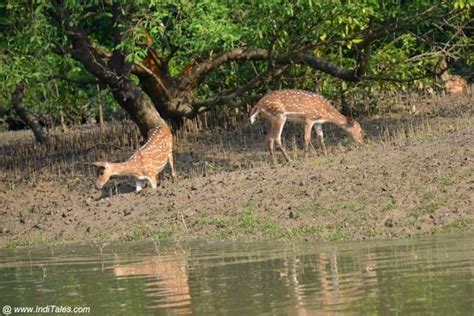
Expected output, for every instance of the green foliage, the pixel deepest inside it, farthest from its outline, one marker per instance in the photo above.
(28, 53)
(189, 31)
(334, 29)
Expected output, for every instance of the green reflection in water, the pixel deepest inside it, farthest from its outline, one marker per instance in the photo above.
(424, 276)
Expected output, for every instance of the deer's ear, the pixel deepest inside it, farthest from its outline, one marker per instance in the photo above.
(100, 164)
(350, 121)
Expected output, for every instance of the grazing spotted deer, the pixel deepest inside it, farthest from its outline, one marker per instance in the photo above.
(301, 106)
(452, 84)
(145, 163)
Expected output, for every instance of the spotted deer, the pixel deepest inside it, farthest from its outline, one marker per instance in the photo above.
(301, 106)
(145, 163)
(452, 84)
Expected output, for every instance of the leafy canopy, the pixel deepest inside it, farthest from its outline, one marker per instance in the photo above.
(34, 47)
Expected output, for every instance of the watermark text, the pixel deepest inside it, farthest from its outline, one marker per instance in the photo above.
(46, 309)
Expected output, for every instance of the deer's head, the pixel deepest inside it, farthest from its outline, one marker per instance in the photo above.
(355, 130)
(104, 172)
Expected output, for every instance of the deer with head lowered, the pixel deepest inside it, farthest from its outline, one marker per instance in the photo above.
(452, 84)
(145, 163)
(301, 106)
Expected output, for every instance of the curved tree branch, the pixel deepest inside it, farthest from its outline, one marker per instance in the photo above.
(230, 97)
(27, 117)
(199, 72)
(113, 71)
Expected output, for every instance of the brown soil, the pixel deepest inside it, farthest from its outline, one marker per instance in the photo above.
(414, 175)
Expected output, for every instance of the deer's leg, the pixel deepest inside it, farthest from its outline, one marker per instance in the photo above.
(308, 125)
(171, 162)
(152, 180)
(278, 125)
(270, 140)
(319, 133)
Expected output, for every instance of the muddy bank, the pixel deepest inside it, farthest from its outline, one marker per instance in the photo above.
(400, 183)
(422, 186)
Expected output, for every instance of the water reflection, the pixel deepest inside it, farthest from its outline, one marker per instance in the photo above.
(429, 275)
(167, 280)
(314, 282)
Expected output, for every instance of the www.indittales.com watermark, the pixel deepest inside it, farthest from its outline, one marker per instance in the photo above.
(46, 309)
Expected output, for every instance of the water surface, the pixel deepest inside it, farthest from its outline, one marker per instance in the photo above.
(419, 276)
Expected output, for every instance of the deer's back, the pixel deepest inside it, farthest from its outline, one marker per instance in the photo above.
(456, 84)
(156, 149)
(297, 104)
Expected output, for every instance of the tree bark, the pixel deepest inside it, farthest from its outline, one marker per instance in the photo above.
(140, 109)
(27, 117)
(115, 73)
(155, 80)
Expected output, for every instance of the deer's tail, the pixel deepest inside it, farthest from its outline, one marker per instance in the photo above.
(254, 113)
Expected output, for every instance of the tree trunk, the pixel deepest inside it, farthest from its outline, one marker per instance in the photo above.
(28, 118)
(162, 104)
(115, 73)
(163, 90)
(140, 109)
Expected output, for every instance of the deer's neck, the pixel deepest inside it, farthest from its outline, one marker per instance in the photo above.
(445, 76)
(122, 168)
(338, 119)
(346, 126)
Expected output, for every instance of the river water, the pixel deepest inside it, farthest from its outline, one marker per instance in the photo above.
(431, 275)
